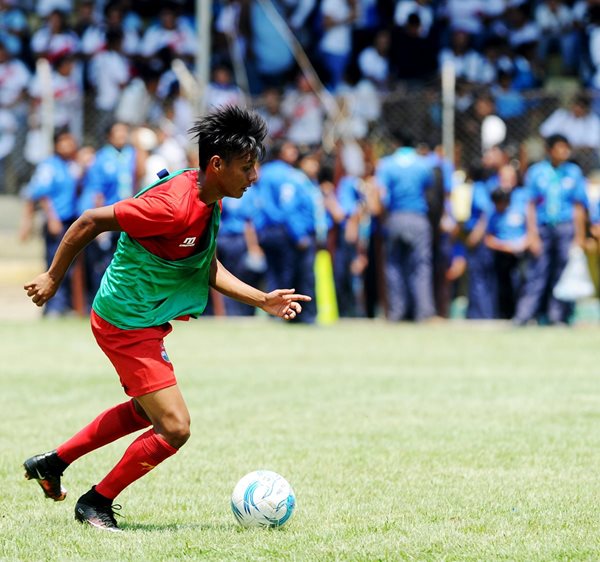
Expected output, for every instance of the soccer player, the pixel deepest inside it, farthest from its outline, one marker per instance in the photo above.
(162, 270)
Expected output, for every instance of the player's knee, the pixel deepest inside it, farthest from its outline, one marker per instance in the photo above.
(176, 431)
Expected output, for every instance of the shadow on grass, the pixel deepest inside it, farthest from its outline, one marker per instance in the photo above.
(150, 527)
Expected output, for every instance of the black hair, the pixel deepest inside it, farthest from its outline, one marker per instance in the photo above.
(111, 125)
(229, 132)
(326, 173)
(60, 132)
(113, 36)
(413, 19)
(500, 195)
(403, 138)
(583, 100)
(555, 139)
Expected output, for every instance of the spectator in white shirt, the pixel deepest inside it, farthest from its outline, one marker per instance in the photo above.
(580, 11)
(14, 79)
(222, 91)
(54, 38)
(581, 127)
(271, 113)
(555, 22)
(8, 130)
(465, 14)
(94, 38)
(139, 104)
(521, 30)
(422, 8)
(468, 63)
(109, 74)
(472, 16)
(593, 48)
(298, 13)
(68, 95)
(336, 43)
(360, 106)
(45, 7)
(172, 33)
(495, 59)
(305, 114)
(373, 62)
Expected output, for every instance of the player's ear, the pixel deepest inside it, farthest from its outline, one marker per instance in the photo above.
(216, 162)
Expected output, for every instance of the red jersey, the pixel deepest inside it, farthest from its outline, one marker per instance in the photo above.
(168, 220)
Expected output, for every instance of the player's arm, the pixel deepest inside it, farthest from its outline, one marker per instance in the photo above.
(80, 234)
(281, 302)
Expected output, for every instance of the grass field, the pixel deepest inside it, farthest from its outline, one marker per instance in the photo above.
(449, 442)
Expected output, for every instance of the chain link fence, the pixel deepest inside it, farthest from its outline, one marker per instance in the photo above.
(416, 115)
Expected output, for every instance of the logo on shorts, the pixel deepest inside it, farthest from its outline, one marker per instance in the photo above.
(163, 354)
(188, 242)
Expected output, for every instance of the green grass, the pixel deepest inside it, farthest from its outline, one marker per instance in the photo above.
(450, 442)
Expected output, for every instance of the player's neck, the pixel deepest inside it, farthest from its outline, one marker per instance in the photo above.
(208, 193)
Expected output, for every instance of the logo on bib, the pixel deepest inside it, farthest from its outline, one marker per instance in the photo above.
(188, 242)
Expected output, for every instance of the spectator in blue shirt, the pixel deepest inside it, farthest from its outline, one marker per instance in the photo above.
(404, 177)
(54, 188)
(108, 180)
(506, 237)
(284, 219)
(13, 27)
(437, 202)
(239, 251)
(556, 217)
(479, 257)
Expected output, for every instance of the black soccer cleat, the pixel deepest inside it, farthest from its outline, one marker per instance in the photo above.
(96, 511)
(47, 469)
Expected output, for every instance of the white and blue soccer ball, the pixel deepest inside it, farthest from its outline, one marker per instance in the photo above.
(263, 499)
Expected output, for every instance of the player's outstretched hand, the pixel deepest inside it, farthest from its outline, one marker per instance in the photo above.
(41, 289)
(284, 303)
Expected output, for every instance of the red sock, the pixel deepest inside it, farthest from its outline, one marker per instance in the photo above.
(107, 427)
(144, 454)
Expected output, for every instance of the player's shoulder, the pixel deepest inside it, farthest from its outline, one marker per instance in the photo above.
(180, 185)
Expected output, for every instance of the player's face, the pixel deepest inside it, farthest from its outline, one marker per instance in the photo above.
(238, 175)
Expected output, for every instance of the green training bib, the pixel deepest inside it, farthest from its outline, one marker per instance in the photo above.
(140, 290)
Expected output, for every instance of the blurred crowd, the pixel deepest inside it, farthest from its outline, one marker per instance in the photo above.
(112, 59)
(403, 240)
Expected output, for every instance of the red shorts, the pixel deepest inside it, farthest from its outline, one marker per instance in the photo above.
(138, 355)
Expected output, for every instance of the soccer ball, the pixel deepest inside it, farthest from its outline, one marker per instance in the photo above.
(263, 499)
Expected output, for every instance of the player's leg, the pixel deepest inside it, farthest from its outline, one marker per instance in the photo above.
(140, 359)
(107, 427)
(170, 418)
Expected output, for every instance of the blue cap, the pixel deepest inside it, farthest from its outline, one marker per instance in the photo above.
(163, 173)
